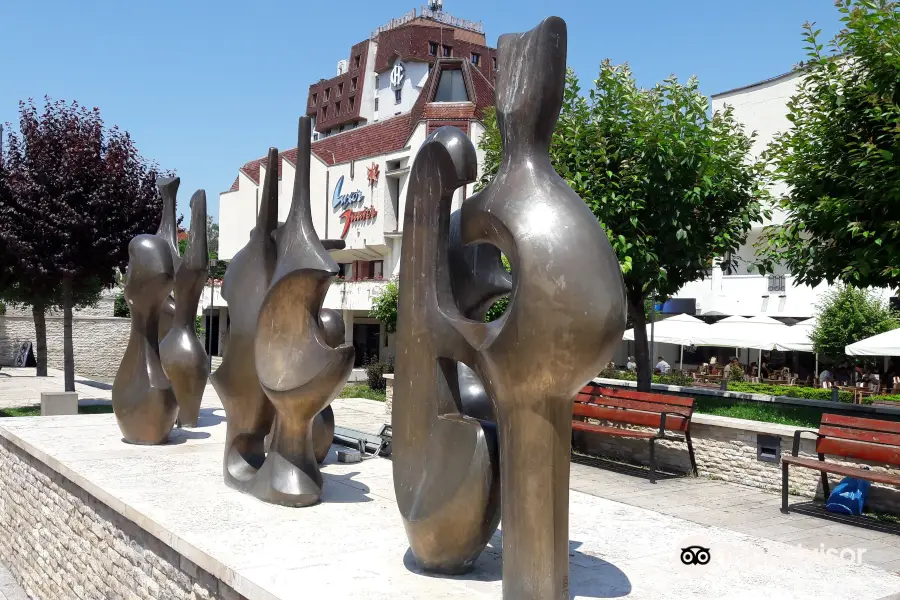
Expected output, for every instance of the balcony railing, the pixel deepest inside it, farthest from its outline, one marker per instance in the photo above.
(775, 283)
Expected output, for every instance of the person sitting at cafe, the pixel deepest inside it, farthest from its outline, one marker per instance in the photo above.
(662, 366)
(826, 375)
(631, 365)
(764, 370)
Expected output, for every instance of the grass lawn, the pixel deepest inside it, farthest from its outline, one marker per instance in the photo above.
(785, 414)
(35, 411)
(361, 390)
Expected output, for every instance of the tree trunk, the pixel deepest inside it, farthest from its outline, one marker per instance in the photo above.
(40, 334)
(641, 343)
(68, 349)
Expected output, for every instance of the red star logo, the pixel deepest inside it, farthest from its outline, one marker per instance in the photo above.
(373, 173)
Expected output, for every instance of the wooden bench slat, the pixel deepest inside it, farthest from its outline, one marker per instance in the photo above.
(860, 435)
(581, 425)
(640, 405)
(811, 463)
(632, 417)
(860, 450)
(643, 396)
(860, 423)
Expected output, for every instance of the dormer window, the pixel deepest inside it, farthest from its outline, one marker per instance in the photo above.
(451, 87)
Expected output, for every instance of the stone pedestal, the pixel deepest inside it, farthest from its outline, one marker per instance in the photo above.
(59, 403)
(389, 395)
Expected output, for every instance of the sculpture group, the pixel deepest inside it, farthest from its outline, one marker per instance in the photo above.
(482, 411)
(164, 369)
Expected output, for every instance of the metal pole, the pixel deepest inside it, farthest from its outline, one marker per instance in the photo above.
(681, 360)
(759, 365)
(212, 263)
(652, 332)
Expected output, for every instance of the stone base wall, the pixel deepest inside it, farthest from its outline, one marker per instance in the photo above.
(99, 342)
(60, 542)
(388, 398)
(726, 449)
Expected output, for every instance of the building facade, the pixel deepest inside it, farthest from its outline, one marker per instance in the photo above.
(760, 107)
(419, 72)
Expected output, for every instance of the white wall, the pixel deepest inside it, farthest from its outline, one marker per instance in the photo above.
(415, 75)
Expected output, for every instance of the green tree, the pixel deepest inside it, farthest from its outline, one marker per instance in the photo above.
(673, 185)
(847, 315)
(841, 156)
(384, 306)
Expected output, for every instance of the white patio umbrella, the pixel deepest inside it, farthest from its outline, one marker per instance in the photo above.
(758, 333)
(680, 330)
(797, 339)
(883, 344)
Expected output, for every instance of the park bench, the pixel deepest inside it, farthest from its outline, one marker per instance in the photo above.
(669, 416)
(846, 437)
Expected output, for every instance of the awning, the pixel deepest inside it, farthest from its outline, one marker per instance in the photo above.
(883, 344)
(679, 329)
(796, 337)
(759, 333)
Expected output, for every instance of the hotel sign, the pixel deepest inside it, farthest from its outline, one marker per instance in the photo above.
(354, 216)
(339, 200)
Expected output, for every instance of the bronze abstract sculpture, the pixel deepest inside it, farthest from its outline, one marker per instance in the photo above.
(297, 368)
(286, 359)
(566, 312)
(142, 396)
(168, 231)
(182, 354)
(249, 413)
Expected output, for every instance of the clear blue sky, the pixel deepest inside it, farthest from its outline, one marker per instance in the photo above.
(205, 85)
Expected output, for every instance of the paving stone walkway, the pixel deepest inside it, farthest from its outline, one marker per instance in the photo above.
(9, 589)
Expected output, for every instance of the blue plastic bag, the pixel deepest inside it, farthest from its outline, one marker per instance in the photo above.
(848, 497)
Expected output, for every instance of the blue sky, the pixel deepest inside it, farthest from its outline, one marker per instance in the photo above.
(205, 85)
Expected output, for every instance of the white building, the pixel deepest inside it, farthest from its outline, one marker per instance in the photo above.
(419, 72)
(761, 107)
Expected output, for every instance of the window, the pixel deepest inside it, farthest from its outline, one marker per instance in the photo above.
(343, 270)
(376, 104)
(476, 59)
(430, 68)
(324, 113)
(356, 61)
(376, 84)
(377, 269)
(432, 48)
(368, 269)
(327, 92)
(340, 90)
(353, 84)
(352, 104)
(494, 58)
(448, 51)
(451, 87)
(398, 96)
(315, 136)
(337, 108)
(315, 99)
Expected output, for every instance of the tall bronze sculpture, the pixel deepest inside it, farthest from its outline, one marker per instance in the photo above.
(299, 371)
(286, 359)
(182, 354)
(142, 396)
(168, 231)
(249, 413)
(566, 312)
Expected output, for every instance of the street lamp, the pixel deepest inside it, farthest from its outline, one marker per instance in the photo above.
(212, 265)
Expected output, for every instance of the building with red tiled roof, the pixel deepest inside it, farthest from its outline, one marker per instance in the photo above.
(419, 72)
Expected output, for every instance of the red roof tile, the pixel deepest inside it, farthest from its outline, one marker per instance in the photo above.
(376, 138)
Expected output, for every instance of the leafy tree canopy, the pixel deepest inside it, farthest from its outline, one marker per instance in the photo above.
(841, 156)
(673, 186)
(847, 315)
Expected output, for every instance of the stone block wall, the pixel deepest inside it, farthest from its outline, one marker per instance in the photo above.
(726, 449)
(99, 342)
(389, 396)
(60, 542)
